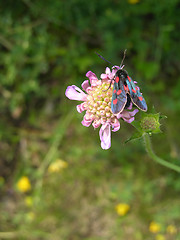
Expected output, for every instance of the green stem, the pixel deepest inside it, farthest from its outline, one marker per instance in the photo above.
(151, 153)
(53, 151)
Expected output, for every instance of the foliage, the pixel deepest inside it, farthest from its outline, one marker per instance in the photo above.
(47, 45)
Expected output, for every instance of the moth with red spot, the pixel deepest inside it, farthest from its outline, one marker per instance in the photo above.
(125, 91)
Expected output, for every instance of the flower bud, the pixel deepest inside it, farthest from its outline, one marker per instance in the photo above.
(150, 123)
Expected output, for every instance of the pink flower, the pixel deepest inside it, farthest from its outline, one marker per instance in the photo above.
(96, 101)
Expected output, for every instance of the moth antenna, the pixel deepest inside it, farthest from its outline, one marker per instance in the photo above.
(123, 58)
(103, 58)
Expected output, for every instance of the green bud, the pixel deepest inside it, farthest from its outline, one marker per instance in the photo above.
(150, 123)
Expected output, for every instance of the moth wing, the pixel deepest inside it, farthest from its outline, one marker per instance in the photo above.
(136, 96)
(119, 97)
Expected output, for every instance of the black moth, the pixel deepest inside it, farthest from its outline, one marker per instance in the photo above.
(125, 91)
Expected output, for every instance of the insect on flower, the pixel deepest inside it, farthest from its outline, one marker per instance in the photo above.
(104, 105)
(124, 90)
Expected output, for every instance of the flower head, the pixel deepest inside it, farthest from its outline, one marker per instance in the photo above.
(154, 227)
(96, 99)
(171, 229)
(122, 209)
(57, 166)
(24, 185)
(160, 237)
(150, 123)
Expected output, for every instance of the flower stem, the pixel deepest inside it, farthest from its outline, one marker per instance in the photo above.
(151, 153)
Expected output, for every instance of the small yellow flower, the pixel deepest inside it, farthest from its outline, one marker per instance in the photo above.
(133, 1)
(57, 166)
(122, 209)
(154, 227)
(23, 185)
(160, 237)
(171, 229)
(28, 201)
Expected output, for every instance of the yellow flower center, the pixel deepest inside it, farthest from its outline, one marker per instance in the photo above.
(98, 103)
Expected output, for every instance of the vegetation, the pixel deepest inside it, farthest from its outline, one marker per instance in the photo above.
(55, 180)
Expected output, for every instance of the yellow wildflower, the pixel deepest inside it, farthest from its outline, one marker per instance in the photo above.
(28, 201)
(154, 227)
(160, 237)
(57, 166)
(171, 229)
(23, 185)
(122, 209)
(133, 1)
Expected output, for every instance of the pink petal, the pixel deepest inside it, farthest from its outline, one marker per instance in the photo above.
(128, 116)
(130, 106)
(134, 112)
(93, 79)
(91, 75)
(85, 85)
(108, 74)
(81, 107)
(104, 76)
(87, 120)
(86, 123)
(128, 120)
(108, 71)
(116, 125)
(115, 67)
(96, 123)
(75, 93)
(105, 136)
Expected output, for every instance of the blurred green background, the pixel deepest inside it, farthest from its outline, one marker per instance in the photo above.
(55, 180)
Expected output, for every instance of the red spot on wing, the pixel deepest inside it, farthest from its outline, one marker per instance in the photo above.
(114, 91)
(140, 98)
(134, 90)
(119, 92)
(117, 79)
(129, 78)
(126, 88)
(115, 101)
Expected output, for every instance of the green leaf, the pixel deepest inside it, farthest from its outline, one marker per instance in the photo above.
(135, 136)
(137, 125)
(162, 117)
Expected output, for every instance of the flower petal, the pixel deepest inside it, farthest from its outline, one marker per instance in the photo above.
(115, 67)
(85, 85)
(108, 71)
(116, 125)
(105, 136)
(130, 106)
(96, 123)
(91, 75)
(93, 79)
(75, 93)
(104, 76)
(108, 75)
(128, 116)
(81, 107)
(86, 123)
(87, 120)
